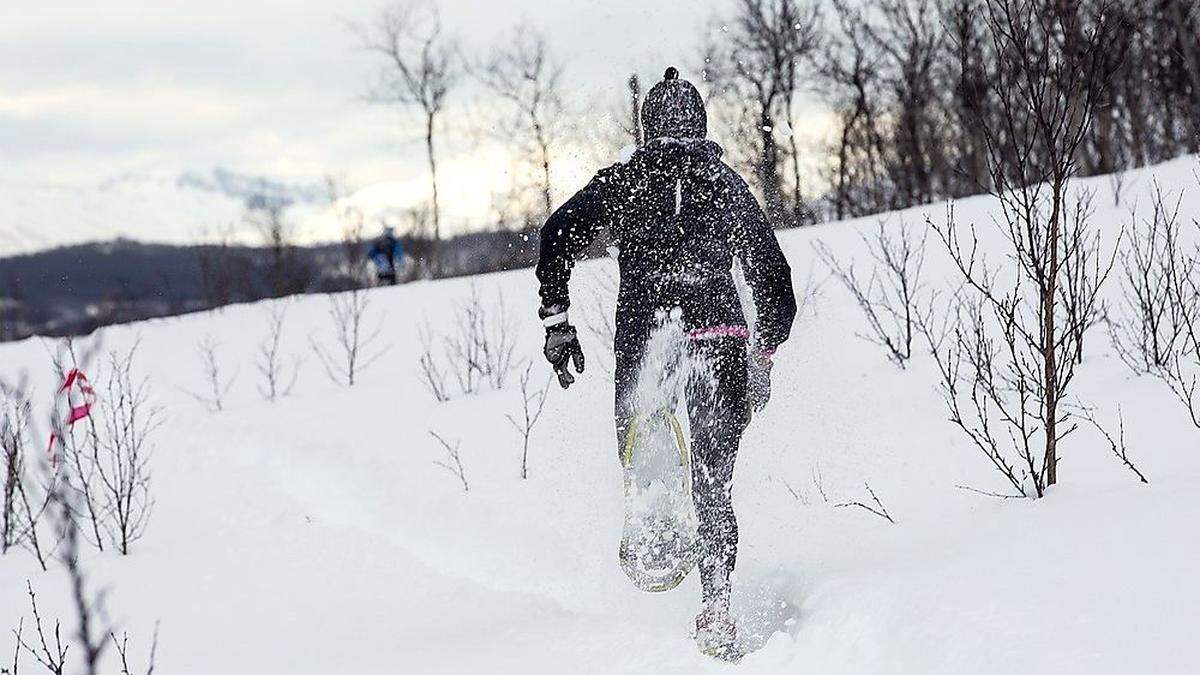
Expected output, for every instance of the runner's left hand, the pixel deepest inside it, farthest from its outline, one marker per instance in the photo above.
(759, 379)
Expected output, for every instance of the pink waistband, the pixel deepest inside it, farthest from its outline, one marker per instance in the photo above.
(715, 332)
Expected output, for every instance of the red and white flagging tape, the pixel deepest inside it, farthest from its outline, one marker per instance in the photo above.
(75, 398)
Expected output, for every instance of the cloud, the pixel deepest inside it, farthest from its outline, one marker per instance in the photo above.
(275, 87)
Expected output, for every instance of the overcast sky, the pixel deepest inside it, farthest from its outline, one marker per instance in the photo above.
(90, 89)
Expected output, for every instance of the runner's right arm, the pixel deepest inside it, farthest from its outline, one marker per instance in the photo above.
(566, 235)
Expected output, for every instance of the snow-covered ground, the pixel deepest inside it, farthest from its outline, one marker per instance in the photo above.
(316, 534)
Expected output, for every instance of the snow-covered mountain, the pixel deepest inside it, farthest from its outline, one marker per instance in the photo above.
(245, 187)
(187, 208)
(317, 534)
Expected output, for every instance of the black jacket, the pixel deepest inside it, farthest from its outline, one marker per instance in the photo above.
(679, 216)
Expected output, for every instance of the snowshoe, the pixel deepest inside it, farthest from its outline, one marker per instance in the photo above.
(659, 541)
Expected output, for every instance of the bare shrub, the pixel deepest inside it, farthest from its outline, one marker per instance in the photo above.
(1119, 449)
(278, 378)
(1183, 296)
(483, 345)
(453, 461)
(809, 296)
(433, 376)
(23, 504)
(76, 444)
(1148, 331)
(479, 352)
(1159, 332)
(1116, 182)
(48, 650)
(89, 639)
(532, 403)
(354, 344)
(798, 495)
(122, 647)
(12, 445)
(106, 458)
(876, 507)
(891, 297)
(218, 384)
(121, 452)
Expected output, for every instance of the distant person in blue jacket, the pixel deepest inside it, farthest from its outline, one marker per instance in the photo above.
(386, 253)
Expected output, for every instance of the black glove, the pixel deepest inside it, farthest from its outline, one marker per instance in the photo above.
(562, 346)
(759, 379)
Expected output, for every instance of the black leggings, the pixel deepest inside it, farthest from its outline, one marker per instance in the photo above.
(718, 412)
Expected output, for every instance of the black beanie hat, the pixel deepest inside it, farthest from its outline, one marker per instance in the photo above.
(674, 108)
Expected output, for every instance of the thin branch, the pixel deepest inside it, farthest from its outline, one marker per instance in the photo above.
(878, 509)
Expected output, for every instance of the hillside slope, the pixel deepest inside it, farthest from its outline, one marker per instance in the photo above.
(316, 534)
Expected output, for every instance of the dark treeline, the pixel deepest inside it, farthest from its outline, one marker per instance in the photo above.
(913, 86)
(74, 290)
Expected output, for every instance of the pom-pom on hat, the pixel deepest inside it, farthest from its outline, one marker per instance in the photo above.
(674, 109)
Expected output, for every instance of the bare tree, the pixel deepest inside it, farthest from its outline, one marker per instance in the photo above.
(525, 74)
(354, 349)
(532, 403)
(1012, 360)
(850, 69)
(226, 272)
(967, 64)
(353, 224)
(278, 378)
(419, 66)
(453, 462)
(892, 296)
(909, 36)
(218, 384)
(287, 273)
(757, 56)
